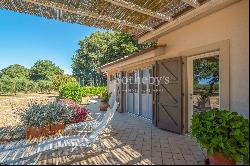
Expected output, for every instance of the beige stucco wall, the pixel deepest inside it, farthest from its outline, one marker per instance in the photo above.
(229, 23)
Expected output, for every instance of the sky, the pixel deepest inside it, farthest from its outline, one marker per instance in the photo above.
(24, 39)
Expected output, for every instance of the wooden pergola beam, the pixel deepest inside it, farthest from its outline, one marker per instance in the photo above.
(78, 11)
(137, 8)
(193, 3)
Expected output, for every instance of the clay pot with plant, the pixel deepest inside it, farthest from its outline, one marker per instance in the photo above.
(224, 134)
(42, 120)
(105, 96)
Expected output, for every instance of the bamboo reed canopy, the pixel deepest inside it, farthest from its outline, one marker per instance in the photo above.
(136, 17)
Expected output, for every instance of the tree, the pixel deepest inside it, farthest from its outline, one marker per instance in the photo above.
(44, 70)
(59, 80)
(206, 69)
(15, 71)
(6, 85)
(45, 86)
(100, 48)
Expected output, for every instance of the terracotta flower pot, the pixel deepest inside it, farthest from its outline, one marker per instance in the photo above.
(36, 132)
(103, 106)
(33, 132)
(45, 131)
(57, 128)
(220, 159)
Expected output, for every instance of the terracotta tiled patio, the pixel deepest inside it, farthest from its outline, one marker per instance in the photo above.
(132, 140)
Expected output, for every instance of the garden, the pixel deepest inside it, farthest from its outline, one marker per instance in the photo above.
(50, 118)
(32, 93)
(64, 100)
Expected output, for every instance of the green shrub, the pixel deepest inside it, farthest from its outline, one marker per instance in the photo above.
(14, 85)
(1, 86)
(45, 86)
(105, 96)
(38, 115)
(222, 131)
(32, 86)
(59, 80)
(7, 85)
(92, 91)
(71, 91)
(25, 85)
(20, 84)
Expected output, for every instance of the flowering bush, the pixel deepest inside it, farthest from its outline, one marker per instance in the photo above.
(63, 111)
(79, 114)
(70, 103)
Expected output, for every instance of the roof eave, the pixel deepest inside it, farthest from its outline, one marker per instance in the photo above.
(192, 16)
(107, 66)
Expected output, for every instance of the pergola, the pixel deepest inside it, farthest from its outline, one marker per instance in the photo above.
(136, 17)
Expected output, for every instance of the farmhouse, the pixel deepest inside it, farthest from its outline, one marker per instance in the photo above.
(158, 83)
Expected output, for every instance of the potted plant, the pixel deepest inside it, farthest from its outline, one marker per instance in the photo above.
(224, 134)
(105, 96)
(59, 115)
(45, 119)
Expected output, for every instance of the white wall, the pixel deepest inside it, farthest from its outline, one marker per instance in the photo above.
(112, 88)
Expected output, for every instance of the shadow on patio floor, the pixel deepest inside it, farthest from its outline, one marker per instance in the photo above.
(130, 141)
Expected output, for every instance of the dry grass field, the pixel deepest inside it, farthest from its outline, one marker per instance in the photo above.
(10, 103)
(10, 126)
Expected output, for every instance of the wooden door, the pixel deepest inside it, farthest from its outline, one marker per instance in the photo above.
(169, 95)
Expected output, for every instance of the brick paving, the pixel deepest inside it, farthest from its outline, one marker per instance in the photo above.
(134, 141)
